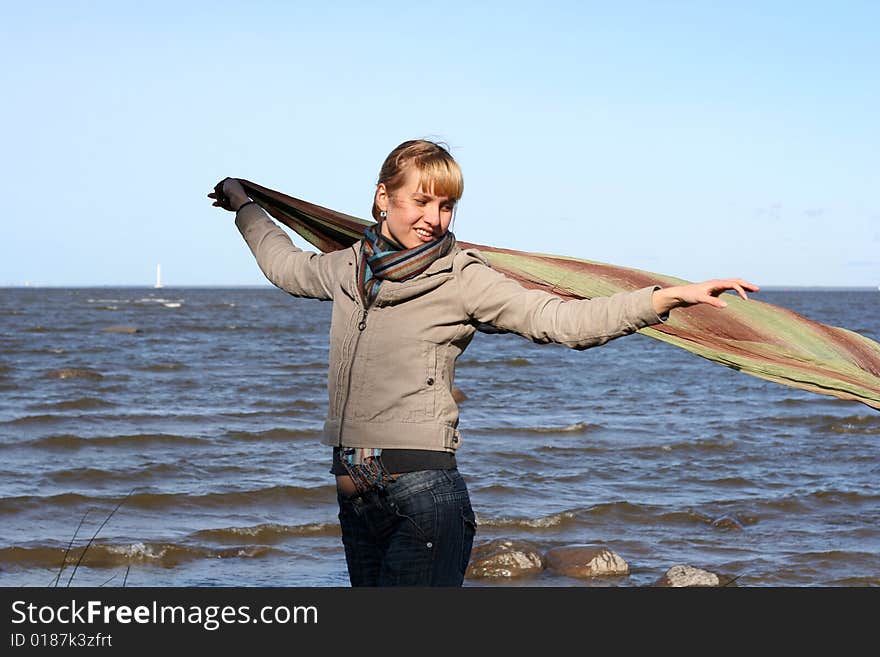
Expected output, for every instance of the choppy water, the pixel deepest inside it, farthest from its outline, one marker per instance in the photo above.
(204, 424)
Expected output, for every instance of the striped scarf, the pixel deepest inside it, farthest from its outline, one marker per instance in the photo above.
(384, 260)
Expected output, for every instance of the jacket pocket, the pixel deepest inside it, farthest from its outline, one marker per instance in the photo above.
(394, 381)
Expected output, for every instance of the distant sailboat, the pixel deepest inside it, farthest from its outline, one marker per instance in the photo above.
(158, 277)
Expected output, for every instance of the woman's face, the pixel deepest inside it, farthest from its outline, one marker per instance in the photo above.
(414, 215)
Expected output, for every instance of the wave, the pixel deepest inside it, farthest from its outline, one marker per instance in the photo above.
(819, 499)
(691, 516)
(73, 373)
(108, 555)
(206, 328)
(275, 434)
(622, 511)
(285, 406)
(573, 452)
(265, 533)
(577, 428)
(626, 510)
(856, 581)
(162, 367)
(149, 300)
(100, 476)
(845, 426)
(857, 424)
(634, 514)
(553, 521)
(299, 367)
(718, 443)
(81, 403)
(72, 441)
(749, 511)
(43, 418)
(46, 329)
(811, 401)
(727, 482)
(274, 495)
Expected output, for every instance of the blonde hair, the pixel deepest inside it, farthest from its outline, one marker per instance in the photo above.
(438, 170)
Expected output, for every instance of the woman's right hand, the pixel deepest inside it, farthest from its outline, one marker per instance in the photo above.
(229, 195)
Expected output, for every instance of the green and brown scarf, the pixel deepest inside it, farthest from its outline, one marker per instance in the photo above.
(752, 337)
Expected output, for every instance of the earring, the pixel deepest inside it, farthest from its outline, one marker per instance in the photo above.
(383, 214)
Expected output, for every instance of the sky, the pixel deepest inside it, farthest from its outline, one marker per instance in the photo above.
(692, 139)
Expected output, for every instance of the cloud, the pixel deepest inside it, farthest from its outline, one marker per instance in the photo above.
(771, 211)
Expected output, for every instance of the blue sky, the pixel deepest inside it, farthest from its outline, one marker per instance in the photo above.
(695, 139)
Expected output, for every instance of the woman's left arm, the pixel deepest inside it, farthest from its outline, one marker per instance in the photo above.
(490, 297)
(681, 296)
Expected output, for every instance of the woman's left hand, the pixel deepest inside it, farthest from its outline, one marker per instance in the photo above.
(681, 296)
(229, 195)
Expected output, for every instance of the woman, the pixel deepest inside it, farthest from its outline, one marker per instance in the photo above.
(406, 303)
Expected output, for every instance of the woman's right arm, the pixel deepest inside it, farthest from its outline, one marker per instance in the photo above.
(300, 273)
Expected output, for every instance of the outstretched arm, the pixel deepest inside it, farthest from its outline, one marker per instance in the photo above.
(300, 273)
(681, 296)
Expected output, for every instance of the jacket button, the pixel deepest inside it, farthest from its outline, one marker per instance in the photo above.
(430, 381)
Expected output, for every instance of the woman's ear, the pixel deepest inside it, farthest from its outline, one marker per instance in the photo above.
(381, 198)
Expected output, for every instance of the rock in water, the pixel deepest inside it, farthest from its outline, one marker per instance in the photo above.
(70, 373)
(121, 329)
(727, 522)
(583, 561)
(505, 558)
(681, 576)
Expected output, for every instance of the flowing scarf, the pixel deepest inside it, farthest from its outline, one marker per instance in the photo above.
(752, 337)
(383, 259)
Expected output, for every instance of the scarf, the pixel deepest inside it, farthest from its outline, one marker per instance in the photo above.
(752, 337)
(383, 259)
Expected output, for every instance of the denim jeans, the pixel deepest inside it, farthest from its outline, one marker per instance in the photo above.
(417, 531)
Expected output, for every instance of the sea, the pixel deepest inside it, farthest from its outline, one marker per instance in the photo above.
(170, 438)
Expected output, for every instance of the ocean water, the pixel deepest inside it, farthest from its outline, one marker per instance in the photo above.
(187, 453)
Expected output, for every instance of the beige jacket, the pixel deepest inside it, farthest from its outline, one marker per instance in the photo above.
(392, 365)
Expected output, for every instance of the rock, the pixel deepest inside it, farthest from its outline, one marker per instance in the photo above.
(458, 395)
(681, 576)
(73, 374)
(727, 522)
(584, 561)
(121, 329)
(505, 558)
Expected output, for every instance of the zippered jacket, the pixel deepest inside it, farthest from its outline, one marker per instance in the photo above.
(392, 365)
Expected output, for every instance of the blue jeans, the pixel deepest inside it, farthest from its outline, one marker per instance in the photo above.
(417, 531)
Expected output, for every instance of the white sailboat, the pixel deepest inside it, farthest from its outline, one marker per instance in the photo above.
(158, 277)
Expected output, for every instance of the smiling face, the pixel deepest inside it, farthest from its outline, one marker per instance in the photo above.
(415, 215)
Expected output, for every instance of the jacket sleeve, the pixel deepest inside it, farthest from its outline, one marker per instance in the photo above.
(300, 273)
(492, 298)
